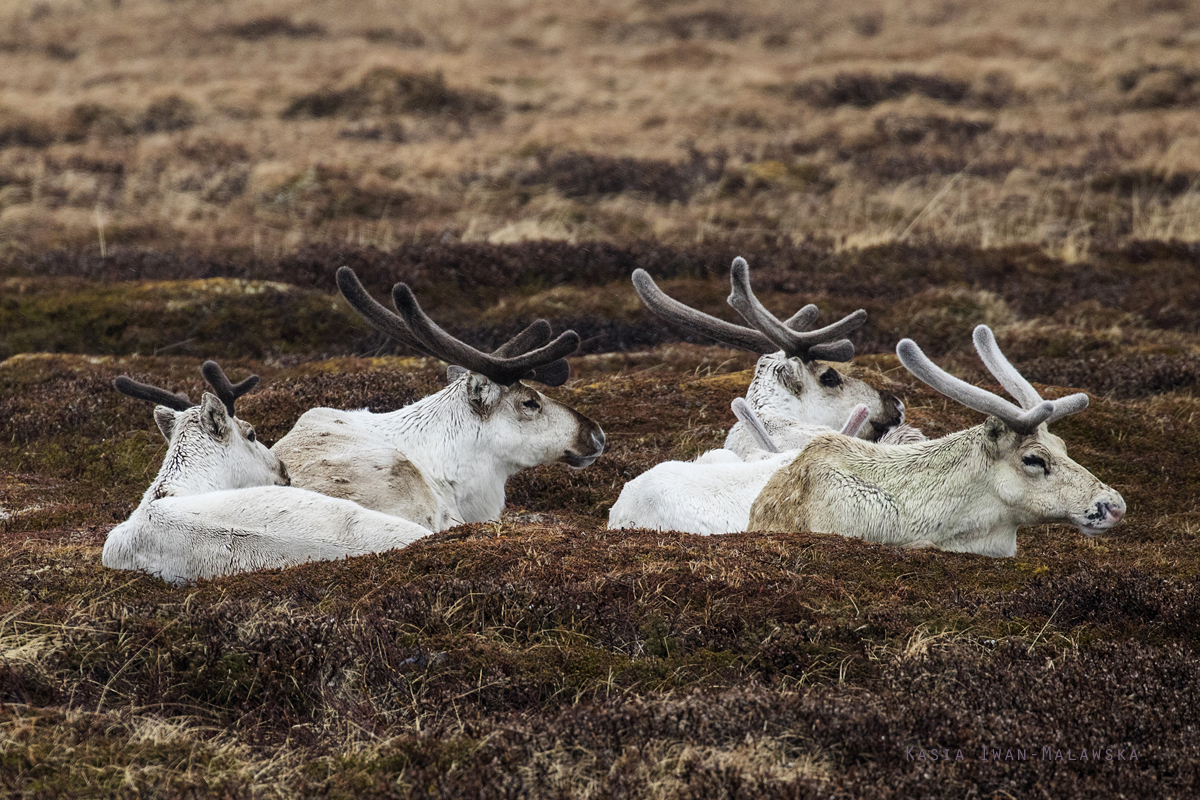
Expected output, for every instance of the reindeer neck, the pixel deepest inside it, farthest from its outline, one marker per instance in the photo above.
(443, 436)
(444, 418)
(946, 487)
(452, 447)
(765, 394)
(177, 477)
(956, 459)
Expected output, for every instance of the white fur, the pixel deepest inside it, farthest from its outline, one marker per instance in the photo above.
(793, 404)
(966, 492)
(443, 460)
(712, 494)
(220, 505)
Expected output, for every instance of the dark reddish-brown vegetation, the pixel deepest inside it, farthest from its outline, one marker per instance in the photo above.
(546, 656)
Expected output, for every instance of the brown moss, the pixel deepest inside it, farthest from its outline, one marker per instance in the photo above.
(275, 25)
(384, 90)
(545, 653)
(576, 174)
(865, 90)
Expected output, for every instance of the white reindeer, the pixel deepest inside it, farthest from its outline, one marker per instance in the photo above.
(444, 460)
(220, 503)
(966, 492)
(791, 385)
(712, 494)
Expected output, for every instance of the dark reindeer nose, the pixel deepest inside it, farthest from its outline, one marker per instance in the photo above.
(897, 407)
(1111, 510)
(1104, 510)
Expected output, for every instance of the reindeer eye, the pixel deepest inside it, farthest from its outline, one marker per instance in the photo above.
(830, 377)
(533, 405)
(250, 435)
(1036, 461)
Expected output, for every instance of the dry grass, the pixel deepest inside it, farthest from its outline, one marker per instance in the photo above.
(269, 125)
(178, 179)
(547, 657)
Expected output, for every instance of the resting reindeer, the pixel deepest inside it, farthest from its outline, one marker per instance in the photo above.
(967, 492)
(791, 385)
(221, 504)
(712, 494)
(444, 460)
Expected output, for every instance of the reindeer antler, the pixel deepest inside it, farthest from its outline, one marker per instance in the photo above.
(222, 387)
(528, 346)
(825, 343)
(1025, 419)
(536, 335)
(768, 333)
(538, 364)
(697, 322)
(855, 422)
(746, 416)
(144, 391)
(378, 317)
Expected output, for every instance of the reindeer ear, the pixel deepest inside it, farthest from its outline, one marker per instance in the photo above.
(213, 416)
(482, 393)
(454, 372)
(1000, 437)
(165, 418)
(791, 375)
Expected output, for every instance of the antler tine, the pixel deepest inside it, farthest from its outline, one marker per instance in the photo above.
(797, 344)
(856, 420)
(1003, 370)
(803, 319)
(376, 315)
(746, 415)
(536, 335)
(697, 322)
(442, 345)
(144, 391)
(222, 387)
(555, 373)
(1065, 406)
(1023, 421)
(841, 350)
(1013, 381)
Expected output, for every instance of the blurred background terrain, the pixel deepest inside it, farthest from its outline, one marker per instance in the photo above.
(253, 128)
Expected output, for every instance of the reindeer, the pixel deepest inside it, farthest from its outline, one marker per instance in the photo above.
(444, 460)
(966, 492)
(221, 503)
(791, 383)
(713, 493)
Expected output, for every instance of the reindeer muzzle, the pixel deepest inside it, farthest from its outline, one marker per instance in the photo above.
(1103, 515)
(581, 460)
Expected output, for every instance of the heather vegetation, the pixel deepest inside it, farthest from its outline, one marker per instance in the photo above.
(180, 180)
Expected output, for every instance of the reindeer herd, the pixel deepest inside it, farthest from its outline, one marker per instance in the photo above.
(813, 449)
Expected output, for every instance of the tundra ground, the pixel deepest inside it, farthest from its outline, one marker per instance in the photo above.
(180, 179)
(545, 656)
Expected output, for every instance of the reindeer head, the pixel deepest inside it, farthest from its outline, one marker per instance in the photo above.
(1031, 473)
(792, 378)
(208, 449)
(523, 425)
